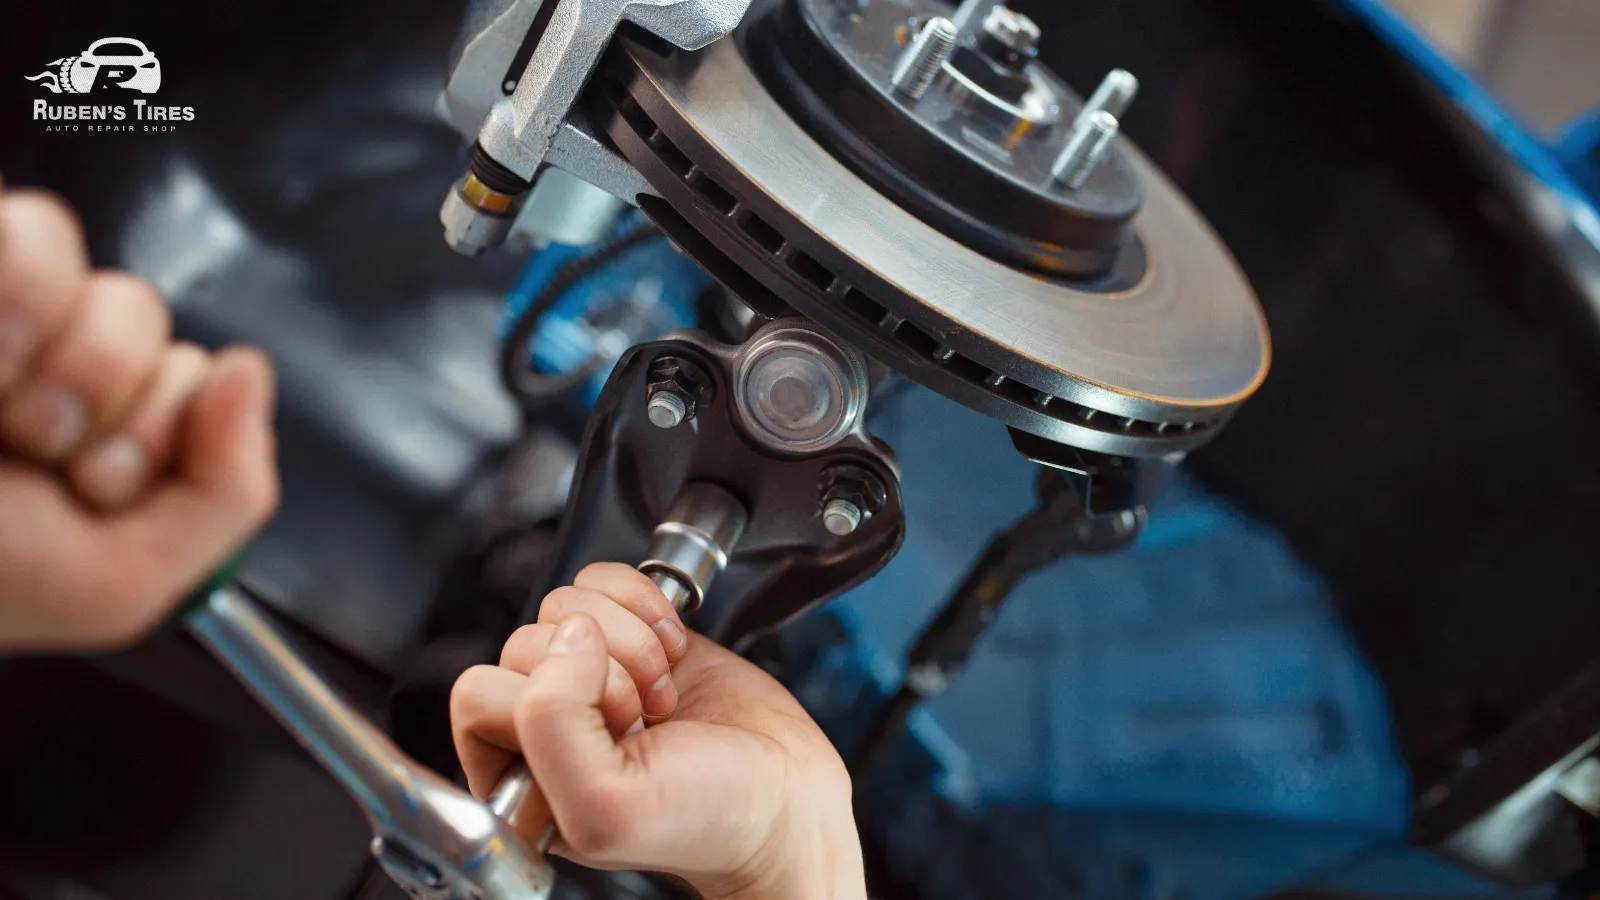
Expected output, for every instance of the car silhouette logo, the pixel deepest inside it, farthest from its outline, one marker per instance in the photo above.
(109, 63)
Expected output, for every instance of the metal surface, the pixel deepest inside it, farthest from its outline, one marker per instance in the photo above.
(564, 209)
(468, 230)
(798, 390)
(432, 837)
(632, 475)
(841, 517)
(1142, 372)
(666, 409)
(520, 131)
(1114, 94)
(924, 58)
(1015, 31)
(692, 545)
(1091, 138)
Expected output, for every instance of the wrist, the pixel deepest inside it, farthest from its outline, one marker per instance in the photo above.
(813, 853)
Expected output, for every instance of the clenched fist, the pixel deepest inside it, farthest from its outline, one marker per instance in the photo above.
(654, 748)
(130, 465)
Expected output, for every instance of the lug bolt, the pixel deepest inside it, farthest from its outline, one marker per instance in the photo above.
(1115, 93)
(841, 517)
(922, 60)
(1090, 140)
(666, 410)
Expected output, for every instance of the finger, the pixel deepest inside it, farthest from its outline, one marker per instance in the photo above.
(631, 643)
(481, 707)
(224, 489)
(578, 765)
(44, 273)
(117, 469)
(635, 592)
(620, 705)
(86, 379)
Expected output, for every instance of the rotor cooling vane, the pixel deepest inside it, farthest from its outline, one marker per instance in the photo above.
(949, 206)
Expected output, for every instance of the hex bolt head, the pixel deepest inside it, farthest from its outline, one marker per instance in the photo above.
(667, 410)
(676, 389)
(841, 517)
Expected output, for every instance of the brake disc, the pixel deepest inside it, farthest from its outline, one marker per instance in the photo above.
(929, 233)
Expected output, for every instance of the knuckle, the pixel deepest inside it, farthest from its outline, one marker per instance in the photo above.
(466, 696)
(517, 646)
(557, 604)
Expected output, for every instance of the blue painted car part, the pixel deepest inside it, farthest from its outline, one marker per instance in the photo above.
(1574, 177)
(645, 293)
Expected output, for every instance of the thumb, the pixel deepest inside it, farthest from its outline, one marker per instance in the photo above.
(576, 762)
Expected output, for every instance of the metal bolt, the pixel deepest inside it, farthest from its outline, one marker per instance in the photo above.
(971, 14)
(1115, 92)
(1090, 139)
(1015, 31)
(841, 517)
(666, 410)
(922, 60)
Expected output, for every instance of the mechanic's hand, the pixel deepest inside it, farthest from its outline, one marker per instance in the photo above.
(130, 466)
(739, 793)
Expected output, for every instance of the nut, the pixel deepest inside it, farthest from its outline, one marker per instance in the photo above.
(847, 488)
(675, 382)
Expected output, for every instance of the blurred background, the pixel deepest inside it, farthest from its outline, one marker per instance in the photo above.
(1352, 654)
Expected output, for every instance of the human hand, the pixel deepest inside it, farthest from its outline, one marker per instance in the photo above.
(738, 792)
(130, 466)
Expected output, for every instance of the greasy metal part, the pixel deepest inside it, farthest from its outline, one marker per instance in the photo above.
(1091, 138)
(1114, 95)
(924, 57)
(631, 479)
(1145, 371)
(798, 390)
(432, 837)
(693, 544)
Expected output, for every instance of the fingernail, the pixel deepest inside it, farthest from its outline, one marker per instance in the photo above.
(48, 421)
(114, 471)
(671, 634)
(570, 636)
(662, 698)
(16, 340)
(635, 728)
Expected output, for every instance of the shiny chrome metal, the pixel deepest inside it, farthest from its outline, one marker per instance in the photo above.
(1114, 95)
(924, 57)
(677, 592)
(433, 838)
(1187, 343)
(469, 230)
(797, 390)
(693, 542)
(970, 15)
(1013, 30)
(841, 517)
(1091, 138)
(666, 410)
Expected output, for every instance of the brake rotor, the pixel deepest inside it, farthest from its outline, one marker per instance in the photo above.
(1147, 355)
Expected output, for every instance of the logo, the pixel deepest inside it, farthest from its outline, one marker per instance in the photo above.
(93, 85)
(109, 63)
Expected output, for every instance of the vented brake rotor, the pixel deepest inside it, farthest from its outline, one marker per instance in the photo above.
(1147, 355)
